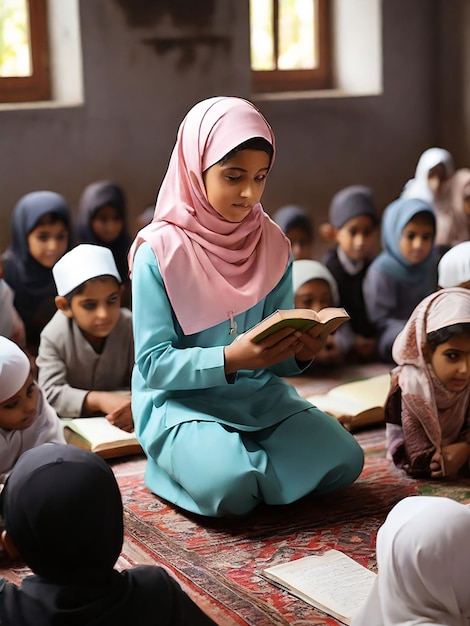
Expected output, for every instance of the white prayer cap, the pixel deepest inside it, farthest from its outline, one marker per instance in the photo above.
(305, 270)
(454, 267)
(15, 368)
(82, 263)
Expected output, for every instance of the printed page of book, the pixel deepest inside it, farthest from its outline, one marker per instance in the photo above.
(332, 582)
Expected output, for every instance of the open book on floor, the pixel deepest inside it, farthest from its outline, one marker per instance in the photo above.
(329, 318)
(98, 435)
(356, 404)
(332, 582)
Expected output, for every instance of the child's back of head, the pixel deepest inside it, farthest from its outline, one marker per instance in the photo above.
(63, 516)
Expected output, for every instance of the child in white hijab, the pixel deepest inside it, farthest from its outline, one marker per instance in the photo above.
(26, 418)
(454, 267)
(423, 560)
(432, 183)
(315, 288)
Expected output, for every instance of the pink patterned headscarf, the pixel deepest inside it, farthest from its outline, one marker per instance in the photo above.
(441, 413)
(212, 269)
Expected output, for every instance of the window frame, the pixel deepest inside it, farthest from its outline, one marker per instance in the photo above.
(38, 85)
(276, 80)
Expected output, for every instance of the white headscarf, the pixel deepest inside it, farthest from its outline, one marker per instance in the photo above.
(418, 186)
(305, 270)
(423, 559)
(454, 267)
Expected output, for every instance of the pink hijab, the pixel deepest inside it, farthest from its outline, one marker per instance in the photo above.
(442, 413)
(212, 269)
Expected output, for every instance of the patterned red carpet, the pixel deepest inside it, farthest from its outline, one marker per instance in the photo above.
(219, 561)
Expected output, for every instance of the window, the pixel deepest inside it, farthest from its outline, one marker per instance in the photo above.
(290, 45)
(24, 62)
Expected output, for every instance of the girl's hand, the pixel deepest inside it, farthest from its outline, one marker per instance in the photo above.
(437, 471)
(244, 354)
(312, 342)
(455, 455)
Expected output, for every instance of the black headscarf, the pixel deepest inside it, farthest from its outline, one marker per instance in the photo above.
(95, 196)
(63, 510)
(32, 283)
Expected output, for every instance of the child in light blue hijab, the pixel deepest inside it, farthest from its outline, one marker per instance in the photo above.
(405, 271)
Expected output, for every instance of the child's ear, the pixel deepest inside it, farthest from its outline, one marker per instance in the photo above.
(9, 547)
(63, 305)
(327, 231)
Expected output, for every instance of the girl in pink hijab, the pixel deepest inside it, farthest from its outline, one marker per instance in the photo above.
(221, 429)
(428, 408)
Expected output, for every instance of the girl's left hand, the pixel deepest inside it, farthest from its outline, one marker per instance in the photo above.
(312, 342)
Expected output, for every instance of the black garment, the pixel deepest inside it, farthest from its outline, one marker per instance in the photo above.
(350, 294)
(63, 510)
(143, 596)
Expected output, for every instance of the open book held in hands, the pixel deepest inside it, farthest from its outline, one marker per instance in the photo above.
(303, 320)
(356, 404)
(98, 435)
(332, 582)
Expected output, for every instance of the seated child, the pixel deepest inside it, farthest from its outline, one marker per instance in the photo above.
(40, 236)
(454, 267)
(86, 353)
(458, 222)
(102, 220)
(428, 408)
(63, 516)
(423, 563)
(353, 228)
(432, 183)
(315, 288)
(11, 324)
(405, 271)
(297, 225)
(26, 419)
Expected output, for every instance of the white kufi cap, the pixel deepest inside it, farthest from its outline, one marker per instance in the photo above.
(82, 263)
(15, 368)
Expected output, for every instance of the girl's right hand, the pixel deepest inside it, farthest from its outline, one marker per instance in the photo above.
(244, 354)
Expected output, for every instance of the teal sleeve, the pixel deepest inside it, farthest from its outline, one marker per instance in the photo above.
(160, 354)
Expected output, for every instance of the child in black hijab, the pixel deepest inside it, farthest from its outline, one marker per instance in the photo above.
(63, 514)
(102, 220)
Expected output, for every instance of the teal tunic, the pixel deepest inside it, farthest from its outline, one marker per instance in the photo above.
(218, 445)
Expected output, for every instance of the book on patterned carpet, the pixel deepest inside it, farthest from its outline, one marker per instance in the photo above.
(356, 404)
(100, 436)
(333, 582)
(330, 318)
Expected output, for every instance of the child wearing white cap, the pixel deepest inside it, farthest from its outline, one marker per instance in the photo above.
(315, 288)
(26, 418)
(86, 352)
